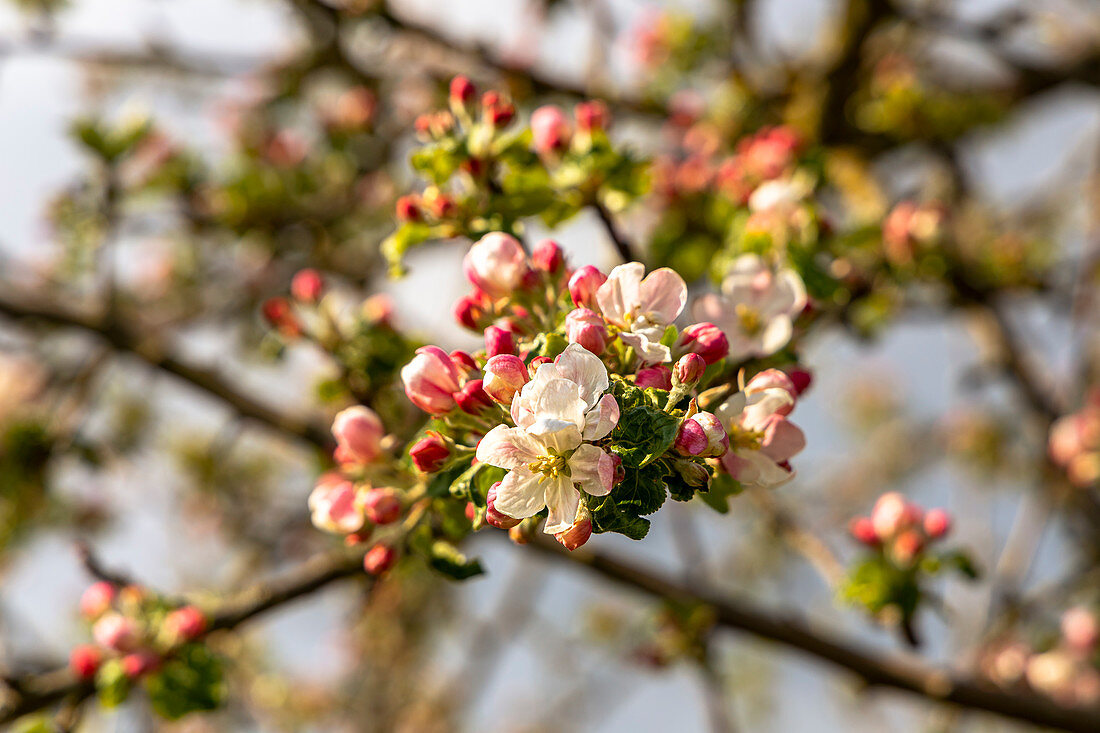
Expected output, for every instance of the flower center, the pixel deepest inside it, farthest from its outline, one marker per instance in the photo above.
(550, 466)
(750, 319)
(743, 438)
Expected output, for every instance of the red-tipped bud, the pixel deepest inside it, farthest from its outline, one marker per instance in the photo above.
(655, 376)
(379, 559)
(471, 511)
(496, 264)
(471, 310)
(907, 546)
(717, 440)
(592, 115)
(462, 91)
(463, 362)
(136, 664)
(407, 208)
(472, 398)
(863, 530)
(706, 340)
(689, 369)
(495, 517)
(442, 206)
(576, 535)
(357, 538)
(84, 660)
(279, 313)
(587, 328)
(307, 285)
(115, 631)
(382, 506)
(185, 624)
(937, 523)
(497, 110)
(97, 599)
(499, 341)
(548, 256)
(801, 379)
(620, 472)
(583, 286)
(505, 374)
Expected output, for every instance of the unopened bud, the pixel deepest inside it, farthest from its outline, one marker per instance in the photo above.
(499, 341)
(691, 440)
(115, 631)
(863, 530)
(706, 340)
(583, 286)
(382, 506)
(937, 523)
(689, 369)
(307, 285)
(505, 375)
(548, 256)
(185, 624)
(472, 398)
(693, 473)
(379, 559)
(97, 599)
(462, 91)
(279, 313)
(407, 208)
(587, 328)
(136, 664)
(592, 115)
(84, 660)
(430, 452)
(655, 376)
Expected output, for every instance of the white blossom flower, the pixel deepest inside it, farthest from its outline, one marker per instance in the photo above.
(643, 308)
(756, 309)
(762, 440)
(546, 455)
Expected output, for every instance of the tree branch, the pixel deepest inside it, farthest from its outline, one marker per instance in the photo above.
(622, 244)
(124, 338)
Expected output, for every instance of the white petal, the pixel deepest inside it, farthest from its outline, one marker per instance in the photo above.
(583, 367)
(593, 469)
(521, 494)
(562, 501)
(775, 336)
(601, 419)
(762, 471)
(649, 352)
(560, 399)
(510, 448)
(621, 292)
(561, 435)
(663, 295)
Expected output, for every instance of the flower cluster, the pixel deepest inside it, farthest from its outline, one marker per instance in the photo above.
(484, 174)
(1064, 667)
(1075, 443)
(139, 636)
(902, 536)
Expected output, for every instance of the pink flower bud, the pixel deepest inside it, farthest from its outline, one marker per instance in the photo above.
(465, 363)
(97, 599)
(430, 452)
(718, 441)
(382, 506)
(863, 530)
(471, 511)
(587, 328)
(549, 129)
(407, 208)
(115, 631)
(307, 285)
(592, 115)
(494, 517)
(691, 440)
(136, 664)
(379, 559)
(937, 523)
(462, 91)
(505, 375)
(499, 341)
(801, 379)
(706, 340)
(689, 369)
(431, 379)
(472, 398)
(84, 660)
(907, 546)
(548, 256)
(1080, 629)
(583, 286)
(358, 432)
(889, 515)
(471, 310)
(334, 504)
(657, 376)
(576, 535)
(496, 264)
(185, 624)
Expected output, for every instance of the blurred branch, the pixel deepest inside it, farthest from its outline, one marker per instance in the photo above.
(125, 339)
(622, 244)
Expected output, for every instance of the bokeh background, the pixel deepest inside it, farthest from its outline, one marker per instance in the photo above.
(531, 645)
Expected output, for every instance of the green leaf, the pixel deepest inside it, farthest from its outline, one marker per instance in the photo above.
(445, 558)
(473, 484)
(407, 236)
(962, 562)
(643, 434)
(190, 681)
(111, 684)
(549, 344)
(722, 487)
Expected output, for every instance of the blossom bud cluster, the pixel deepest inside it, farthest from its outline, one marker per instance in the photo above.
(132, 629)
(1074, 443)
(900, 528)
